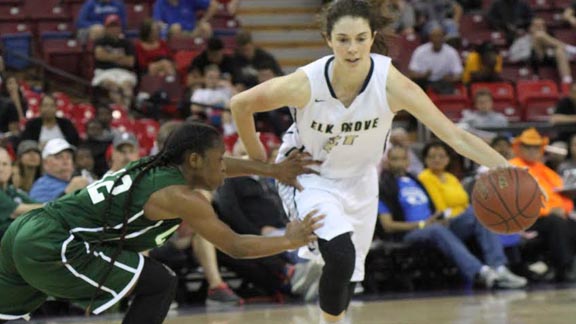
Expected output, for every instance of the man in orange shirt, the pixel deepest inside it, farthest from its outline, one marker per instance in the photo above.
(554, 226)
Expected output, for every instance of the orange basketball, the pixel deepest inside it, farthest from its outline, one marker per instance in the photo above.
(506, 200)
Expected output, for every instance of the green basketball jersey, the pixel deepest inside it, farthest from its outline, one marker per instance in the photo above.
(83, 211)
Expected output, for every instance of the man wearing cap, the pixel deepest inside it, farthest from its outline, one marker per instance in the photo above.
(557, 230)
(114, 62)
(93, 14)
(58, 162)
(29, 165)
(124, 150)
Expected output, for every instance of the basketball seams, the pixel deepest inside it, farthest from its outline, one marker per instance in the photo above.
(534, 192)
(504, 221)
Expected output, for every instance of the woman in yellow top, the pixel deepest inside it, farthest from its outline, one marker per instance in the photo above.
(448, 195)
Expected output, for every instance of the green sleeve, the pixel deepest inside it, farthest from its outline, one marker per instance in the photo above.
(7, 206)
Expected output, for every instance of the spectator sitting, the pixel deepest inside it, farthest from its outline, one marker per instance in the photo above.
(483, 65)
(93, 14)
(114, 63)
(9, 120)
(180, 16)
(84, 163)
(248, 57)
(58, 162)
(511, 17)
(404, 16)
(406, 208)
(399, 137)
(11, 89)
(554, 227)
(483, 114)
(213, 54)
(569, 14)
(13, 201)
(48, 126)
(124, 150)
(443, 14)
(216, 93)
(28, 165)
(98, 141)
(541, 49)
(565, 113)
(152, 53)
(436, 64)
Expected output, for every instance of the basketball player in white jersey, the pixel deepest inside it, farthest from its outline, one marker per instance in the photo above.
(344, 105)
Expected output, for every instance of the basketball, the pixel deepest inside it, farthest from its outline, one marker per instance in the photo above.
(506, 200)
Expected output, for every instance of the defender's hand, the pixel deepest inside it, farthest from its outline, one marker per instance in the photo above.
(300, 233)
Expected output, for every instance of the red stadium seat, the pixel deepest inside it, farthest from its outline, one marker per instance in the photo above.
(566, 35)
(151, 84)
(451, 105)
(186, 44)
(33, 98)
(11, 13)
(401, 49)
(541, 5)
(15, 27)
(504, 98)
(475, 30)
(46, 10)
(65, 54)
(512, 73)
(538, 98)
(146, 131)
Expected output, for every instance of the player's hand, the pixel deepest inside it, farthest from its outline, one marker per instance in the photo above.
(296, 164)
(300, 233)
(542, 191)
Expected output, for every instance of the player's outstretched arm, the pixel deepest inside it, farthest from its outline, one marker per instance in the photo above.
(403, 94)
(189, 205)
(292, 90)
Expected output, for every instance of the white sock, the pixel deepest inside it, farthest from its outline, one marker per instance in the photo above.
(483, 270)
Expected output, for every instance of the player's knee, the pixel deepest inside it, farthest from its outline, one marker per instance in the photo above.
(339, 257)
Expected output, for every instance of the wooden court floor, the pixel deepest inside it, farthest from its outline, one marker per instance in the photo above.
(515, 307)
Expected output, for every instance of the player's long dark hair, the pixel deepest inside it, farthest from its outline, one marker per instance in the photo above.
(187, 139)
(372, 10)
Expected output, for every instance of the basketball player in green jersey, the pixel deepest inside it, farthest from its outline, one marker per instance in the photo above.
(84, 247)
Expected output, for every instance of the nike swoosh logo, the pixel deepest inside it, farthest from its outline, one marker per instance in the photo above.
(319, 100)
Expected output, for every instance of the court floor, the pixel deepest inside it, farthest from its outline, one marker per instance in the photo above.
(547, 306)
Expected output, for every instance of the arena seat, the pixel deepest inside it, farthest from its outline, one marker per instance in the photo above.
(538, 98)
(451, 105)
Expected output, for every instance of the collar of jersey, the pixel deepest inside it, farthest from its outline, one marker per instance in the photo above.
(326, 75)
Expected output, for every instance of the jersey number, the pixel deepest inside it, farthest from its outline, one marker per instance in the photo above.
(99, 188)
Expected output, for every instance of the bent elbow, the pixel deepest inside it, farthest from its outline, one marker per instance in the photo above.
(238, 104)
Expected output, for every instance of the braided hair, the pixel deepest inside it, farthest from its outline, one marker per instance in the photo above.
(190, 137)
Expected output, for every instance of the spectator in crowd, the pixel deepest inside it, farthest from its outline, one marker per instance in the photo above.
(483, 65)
(406, 208)
(124, 150)
(483, 114)
(565, 113)
(13, 201)
(58, 162)
(502, 145)
(9, 120)
(48, 126)
(92, 16)
(443, 14)
(114, 63)
(436, 64)
(248, 57)
(512, 17)
(153, 56)
(546, 50)
(213, 54)
(399, 137)
(11, 89)
(84, 163)
(180, 16)
(28, 165)
(98, 141)
(569, 14)
(219, 293)
(567, 169)
(403, 14)
(556, 230)
(105, 116)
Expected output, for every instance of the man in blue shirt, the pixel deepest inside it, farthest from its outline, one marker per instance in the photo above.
(58, 162)
(406, 208)
(179, 16)
(90, 22)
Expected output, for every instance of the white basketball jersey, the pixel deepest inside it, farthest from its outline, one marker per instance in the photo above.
(349, 140)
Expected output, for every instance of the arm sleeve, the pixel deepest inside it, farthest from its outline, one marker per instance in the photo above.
(83, 16)
(382, 208)
(415, 60)
(230, 211)
(7, 206)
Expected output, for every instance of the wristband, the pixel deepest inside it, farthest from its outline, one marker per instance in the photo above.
(421, 224)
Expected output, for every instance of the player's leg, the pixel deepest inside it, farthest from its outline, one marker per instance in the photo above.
(152, 294)
(339, 261)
